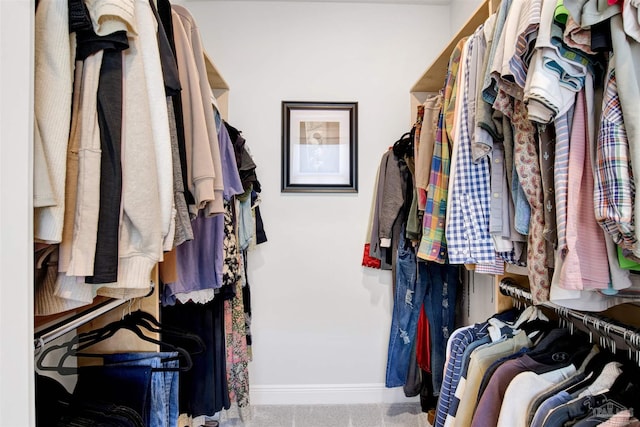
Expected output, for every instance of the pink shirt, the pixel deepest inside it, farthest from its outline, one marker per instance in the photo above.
(586, 264)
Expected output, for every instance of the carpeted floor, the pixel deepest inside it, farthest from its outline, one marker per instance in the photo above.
(384, 415)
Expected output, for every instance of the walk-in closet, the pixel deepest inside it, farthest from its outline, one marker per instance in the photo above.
(319, 213)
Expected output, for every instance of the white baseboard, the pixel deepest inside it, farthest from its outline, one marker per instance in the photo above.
(327, 394)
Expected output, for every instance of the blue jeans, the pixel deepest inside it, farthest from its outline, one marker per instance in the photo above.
(164, 411)
(405, 316)
(441, 282)
(418, 283)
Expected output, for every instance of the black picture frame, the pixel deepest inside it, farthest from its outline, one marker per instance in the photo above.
(319, 147)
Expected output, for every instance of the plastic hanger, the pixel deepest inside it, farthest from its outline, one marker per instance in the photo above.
(404, 146)
(133, 322)
(149, 322)
(83, 341)
(86, 342)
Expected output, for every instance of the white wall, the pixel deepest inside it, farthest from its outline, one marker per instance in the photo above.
(319, 318)
(321, 321)
(461, 10)
(16, 279)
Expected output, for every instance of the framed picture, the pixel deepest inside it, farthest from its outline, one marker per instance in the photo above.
(319, 147)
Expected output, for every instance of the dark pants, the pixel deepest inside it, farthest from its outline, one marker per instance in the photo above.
(203, 389)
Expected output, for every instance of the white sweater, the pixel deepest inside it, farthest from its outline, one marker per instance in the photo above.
(87, 205)
(52, 93)
(141, 231)
(148, 39)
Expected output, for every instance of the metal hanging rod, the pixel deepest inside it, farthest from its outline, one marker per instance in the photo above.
(67, 325)
(611, 334)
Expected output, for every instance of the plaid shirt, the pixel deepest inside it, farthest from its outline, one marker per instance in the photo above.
(467, 229)
(614, 186)
(433, 246)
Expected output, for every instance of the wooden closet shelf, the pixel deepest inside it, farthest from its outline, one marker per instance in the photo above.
(433, 79)
(216, 80)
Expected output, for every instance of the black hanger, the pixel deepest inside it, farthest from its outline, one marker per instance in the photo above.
(133, 322)
(404, 146)
(542, 327)
(148, 321)
(83, 341)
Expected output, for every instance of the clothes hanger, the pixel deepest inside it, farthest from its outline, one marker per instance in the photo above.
(594, 366)
(524, 316)
(404, 146)
(88, 342)
(133, 322)
(149, 322)
(83, 341)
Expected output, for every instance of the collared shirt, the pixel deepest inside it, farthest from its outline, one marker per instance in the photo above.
(561, 178)
(428, 118)
(477, 357)
(489, 87)
(458, 342)
(547, 142)
(614, 186)
(527, 31)
(585, 264)
(500, 217)
(433, 246)
(467, 231)
(527, 165)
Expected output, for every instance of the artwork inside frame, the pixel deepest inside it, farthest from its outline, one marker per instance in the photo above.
(319, 147)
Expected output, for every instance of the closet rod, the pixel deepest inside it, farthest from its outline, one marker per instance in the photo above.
(67, 325)
(601, 325)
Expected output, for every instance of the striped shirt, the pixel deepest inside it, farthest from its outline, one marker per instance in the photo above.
(527, 31)
(561, 179)
(458, 343)
(586, 265)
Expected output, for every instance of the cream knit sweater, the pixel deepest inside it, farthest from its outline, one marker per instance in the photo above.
(52, 93)
(148, 29)
(141, 230)
(87, 205)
